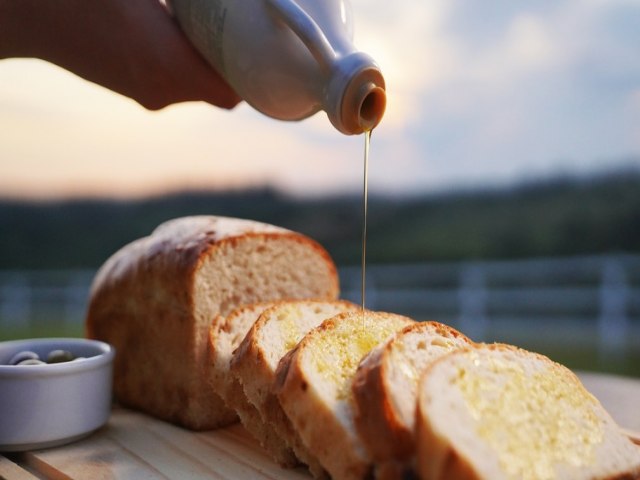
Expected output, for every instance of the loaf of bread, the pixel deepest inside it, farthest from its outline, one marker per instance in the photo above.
(495, 412)
(277, 331)
(313, 384)
(385, 390)
(155, 299)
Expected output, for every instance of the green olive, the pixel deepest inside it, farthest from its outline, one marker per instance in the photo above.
(31, 361)
(59, 356)
(22, 356)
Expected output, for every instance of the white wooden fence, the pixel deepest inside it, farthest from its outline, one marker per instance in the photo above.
(562, 299)
(568, 301)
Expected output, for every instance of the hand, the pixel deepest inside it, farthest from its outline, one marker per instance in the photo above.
(133, 47)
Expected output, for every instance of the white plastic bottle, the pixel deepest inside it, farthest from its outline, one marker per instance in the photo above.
(289, 58)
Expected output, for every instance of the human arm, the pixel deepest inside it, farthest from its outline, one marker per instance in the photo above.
(133, 47)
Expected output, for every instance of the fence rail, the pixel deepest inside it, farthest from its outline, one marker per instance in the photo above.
(595, 297)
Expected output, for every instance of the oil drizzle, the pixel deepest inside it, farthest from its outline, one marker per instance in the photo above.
(365, 201)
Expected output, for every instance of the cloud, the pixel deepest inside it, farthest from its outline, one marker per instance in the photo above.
(405, 38)
(527, 88)
(62, 135)
(479, 93)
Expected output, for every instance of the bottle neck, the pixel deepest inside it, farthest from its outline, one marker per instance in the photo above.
(355, 98)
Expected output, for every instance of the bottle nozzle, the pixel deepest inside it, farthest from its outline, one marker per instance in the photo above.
(356, 97)
(372, 107)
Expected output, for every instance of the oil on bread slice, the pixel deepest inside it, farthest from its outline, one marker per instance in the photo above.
(496, 412)
(313, 384)
(278, 330)
(385, 390)
(225, 335)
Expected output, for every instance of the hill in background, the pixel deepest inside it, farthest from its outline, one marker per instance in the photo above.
(560, 217)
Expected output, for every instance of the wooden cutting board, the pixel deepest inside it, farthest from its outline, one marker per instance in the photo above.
(135, 446)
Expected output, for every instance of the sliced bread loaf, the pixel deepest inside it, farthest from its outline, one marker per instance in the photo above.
(155, 299)
(313, 384)
(278, 330)
(496, 412)
(225, 335)
(385, 390)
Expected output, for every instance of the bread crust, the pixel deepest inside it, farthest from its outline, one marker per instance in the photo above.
(250, 366)
(296, 393)
(377, 417)
(343, 455)
(144, 302)
(225, 334)
(445, 463)
(374, 413)
(437, 459)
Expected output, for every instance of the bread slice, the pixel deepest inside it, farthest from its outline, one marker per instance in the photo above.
(313, 384)
(385, 390)
(496, 412)
(278, 330)
(225, 335)
(155, 299)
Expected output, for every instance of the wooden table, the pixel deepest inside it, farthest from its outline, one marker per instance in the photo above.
(135, 446)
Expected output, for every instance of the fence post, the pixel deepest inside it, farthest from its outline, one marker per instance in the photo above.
(613, 321)
(76, 294)
(472, 301)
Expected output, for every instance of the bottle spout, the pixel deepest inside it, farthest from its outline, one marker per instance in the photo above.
(372, 106)
(356, 98)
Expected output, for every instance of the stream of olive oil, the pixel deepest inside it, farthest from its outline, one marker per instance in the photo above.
(365, 201)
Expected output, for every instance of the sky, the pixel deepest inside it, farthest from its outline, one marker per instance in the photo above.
(479, 94)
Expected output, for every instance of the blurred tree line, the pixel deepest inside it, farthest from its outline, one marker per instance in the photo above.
(565, 216)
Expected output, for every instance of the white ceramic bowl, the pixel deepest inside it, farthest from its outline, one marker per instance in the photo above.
(47, 405)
